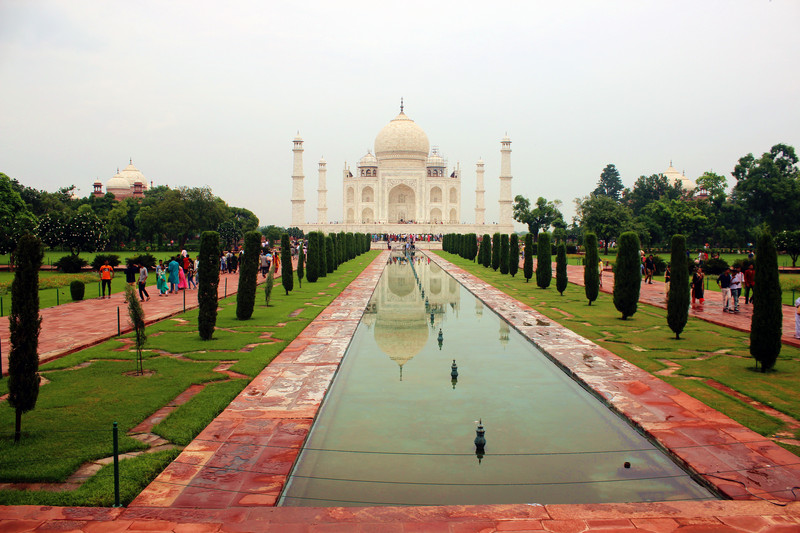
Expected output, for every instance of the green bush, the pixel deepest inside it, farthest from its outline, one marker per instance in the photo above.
(527, 264)
(329, 254)
(561, 268)
(147, 260)
(504, 248)
(544, 266)
(208, 281)
(76, 290)
(678, 296)
(591, 269)
(660, 264)
(513, 254)
(767, 321)
(715, 265)
(100, 259)
(70, 264)
(248, 276)
(312, 259)
(486, 250)
(627, 274)
(495, 251)
(287, 276)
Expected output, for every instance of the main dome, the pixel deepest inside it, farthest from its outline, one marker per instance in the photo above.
(402, 139)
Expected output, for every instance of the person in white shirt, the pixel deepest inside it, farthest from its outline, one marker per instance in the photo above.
(736, 288)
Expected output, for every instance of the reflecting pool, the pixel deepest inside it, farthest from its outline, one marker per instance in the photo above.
(397, 428)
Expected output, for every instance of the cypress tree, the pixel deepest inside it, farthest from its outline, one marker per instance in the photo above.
(136, 316)
(591, 268)
(312, 267)
(527, 264)
(287, 276)
(323, 255)
(513, 254)
(486, 258)
(301, 259)
(329, 253)
(342, 247)
(473, 247)
(248, 276)
(504, 248)
(24, 324)
(627, 274)
(561, 268)
(351, 246)
(678, 295)
(334, 259)
(544, 258)
(270, 283)
(767, 322)
(495, 251)
(207, 283)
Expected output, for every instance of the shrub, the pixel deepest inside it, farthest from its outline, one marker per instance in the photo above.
(513, 254)
(248, 276)
(486, 250)
(495, 251)
(715, 265)
(561, 268)
(627, 274)
(678, 296)
(76, 290)
(660, 265)
(287, 276)
(271, 281)
(504, 248)
(312, 263)
(70, 264)
(329, 254)
(147, 260)
(591, 269)
(100, 259)
(301, 259)
(208, 281)
(544, 267)
(24, 325)
(767, 321)
(322, 257)
(527, 264)
(136, 317)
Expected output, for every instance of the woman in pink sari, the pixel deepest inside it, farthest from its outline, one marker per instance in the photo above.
(182, 284)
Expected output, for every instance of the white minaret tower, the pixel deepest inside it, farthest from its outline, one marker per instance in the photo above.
(506, 218)
(480, 209)
(298, 199)
(322, 194)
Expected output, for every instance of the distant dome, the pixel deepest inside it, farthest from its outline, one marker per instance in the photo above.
(402, 139)
(368, 160)
(117, 184)
(132, 175)
(435, 160)
(673, 177)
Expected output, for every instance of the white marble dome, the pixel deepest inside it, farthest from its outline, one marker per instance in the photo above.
(673, 177)
(118, 185)
(132, 175)
(402, 139)
(368, 160)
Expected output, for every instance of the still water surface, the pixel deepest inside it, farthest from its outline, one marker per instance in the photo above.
(396, 429)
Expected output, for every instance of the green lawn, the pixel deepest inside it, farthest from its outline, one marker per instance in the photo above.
(72, 421)
(705, 350)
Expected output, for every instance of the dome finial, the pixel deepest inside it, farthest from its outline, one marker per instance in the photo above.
(670, 162)
(401, 104)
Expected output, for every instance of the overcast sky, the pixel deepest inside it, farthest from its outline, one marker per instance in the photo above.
(212, 93)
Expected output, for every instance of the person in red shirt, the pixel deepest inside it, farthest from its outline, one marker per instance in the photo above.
(106, 273)
(749, 284)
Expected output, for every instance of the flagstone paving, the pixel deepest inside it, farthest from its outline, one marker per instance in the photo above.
(229, 478)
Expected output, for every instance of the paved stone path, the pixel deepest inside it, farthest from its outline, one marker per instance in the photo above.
(76, 325)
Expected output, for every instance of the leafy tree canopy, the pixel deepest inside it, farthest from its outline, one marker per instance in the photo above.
(610, 184)
(604, 216)
(648, 189)
(541, 217)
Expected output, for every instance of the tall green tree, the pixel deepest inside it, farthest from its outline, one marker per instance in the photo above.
(591, 268)
(287, 276)
(301, 259)
(539, 218)
(329, 253)
(627, 274)
(770, 187)
(513, 254)
(207, 284)
(648, 189)
(789, 242)
(504, 248)
(561, 268)
(269, 284)
(24, 325)
(496, 251)
(342, 241)
(312, 261)
(248, 276)
(715, 187)
(486, 250)
(604, 217)
(323, 254)
(16, 219)
(544, 261)
(527, 263)
(766, 326)
(678, 295)
(610, 184)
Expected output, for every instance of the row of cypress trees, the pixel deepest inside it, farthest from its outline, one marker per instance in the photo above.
(327, 252)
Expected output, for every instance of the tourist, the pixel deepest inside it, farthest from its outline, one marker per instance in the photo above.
(130, 273)
(667, 276)
(223, 268)
(797, 318)
(736, 288)
(182, 284)
(749, 283)
(276, 256)
(143, 296)
(190, 274)
(264, 262)
(106, 274)
(649, 269)
(724, 282)
(600, 272)
(161, 280)
(174, 277)
(698, 291)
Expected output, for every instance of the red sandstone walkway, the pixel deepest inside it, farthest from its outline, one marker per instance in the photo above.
(76, 325)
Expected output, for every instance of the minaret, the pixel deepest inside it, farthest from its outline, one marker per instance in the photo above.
(322, 194)
(480, 209)
(506, 218)
(298, 199)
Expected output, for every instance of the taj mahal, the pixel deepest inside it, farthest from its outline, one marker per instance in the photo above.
(403, 187)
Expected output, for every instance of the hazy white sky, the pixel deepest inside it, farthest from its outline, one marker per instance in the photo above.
(212, 93)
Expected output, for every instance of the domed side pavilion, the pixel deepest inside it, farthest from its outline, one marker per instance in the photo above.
(126, 183)
(404, 187)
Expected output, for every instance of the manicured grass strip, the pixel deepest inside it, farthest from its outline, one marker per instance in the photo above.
(704, 350)
(188, 420)
(98, 491)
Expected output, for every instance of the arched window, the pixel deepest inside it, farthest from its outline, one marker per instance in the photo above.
(351, 195)
(366, 194)
(436, 195)
(453, 195)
